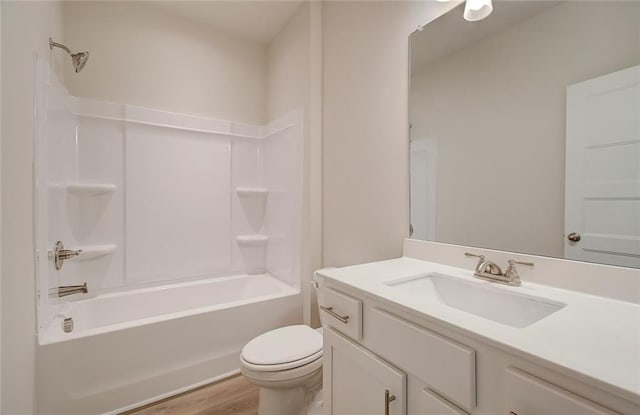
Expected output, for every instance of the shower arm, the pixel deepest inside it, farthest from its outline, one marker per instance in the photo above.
(53, 44)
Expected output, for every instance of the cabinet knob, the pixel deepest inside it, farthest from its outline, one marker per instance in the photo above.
(388, 398)
(573, 237)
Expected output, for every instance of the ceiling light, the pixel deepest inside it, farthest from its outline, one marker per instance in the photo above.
(475, 10)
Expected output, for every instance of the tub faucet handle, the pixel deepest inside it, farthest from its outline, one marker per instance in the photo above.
(59, 254)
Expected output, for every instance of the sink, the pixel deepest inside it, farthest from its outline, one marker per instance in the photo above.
(493, 303)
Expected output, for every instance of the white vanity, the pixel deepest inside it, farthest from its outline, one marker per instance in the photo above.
(409, 336)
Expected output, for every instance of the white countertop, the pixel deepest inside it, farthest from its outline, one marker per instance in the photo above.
(597, 339)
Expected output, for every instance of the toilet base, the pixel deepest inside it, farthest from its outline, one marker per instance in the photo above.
(302, 400)
(289, 401)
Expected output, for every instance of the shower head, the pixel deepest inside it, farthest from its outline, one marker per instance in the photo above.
(79, 59)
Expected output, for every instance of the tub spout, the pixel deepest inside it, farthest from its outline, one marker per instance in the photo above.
(65, 290)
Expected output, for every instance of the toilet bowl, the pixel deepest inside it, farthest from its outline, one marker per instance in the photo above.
(286, 364)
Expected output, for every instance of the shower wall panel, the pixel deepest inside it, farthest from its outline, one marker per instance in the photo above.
(100, 152)
(282, 165)
(177, 203)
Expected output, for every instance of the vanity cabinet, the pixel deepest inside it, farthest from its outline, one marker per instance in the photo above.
(431, 369)
(359, 381)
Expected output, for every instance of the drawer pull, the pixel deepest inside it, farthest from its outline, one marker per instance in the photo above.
(388, 399)
(512, 413)
(344, 319)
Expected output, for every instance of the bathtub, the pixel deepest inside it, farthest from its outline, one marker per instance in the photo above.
(131, 348)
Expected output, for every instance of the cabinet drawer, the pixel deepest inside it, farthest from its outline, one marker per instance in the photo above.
(449, 368)
(342, 312)
(432, 403)
(529, 395)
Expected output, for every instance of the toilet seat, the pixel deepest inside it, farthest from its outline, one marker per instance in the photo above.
(282, 349)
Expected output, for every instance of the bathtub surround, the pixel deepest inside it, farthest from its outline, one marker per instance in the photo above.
(130, 185)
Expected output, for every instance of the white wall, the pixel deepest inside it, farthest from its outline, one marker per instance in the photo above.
(0, 206)
(291, 85)
(144, 56)
(365, 126)
(43, 19)
(498, 112)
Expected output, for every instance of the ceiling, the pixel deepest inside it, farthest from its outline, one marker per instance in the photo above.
(255, 20)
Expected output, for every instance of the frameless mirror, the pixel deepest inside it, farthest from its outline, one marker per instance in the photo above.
(525, 130)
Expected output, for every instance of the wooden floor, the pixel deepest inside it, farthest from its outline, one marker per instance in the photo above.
(230, 396)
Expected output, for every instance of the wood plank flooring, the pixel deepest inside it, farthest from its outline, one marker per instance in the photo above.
(230, 396)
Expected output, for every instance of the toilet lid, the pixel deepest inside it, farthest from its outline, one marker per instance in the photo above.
(283, 345)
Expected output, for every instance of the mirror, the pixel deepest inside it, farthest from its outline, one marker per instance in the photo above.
(525, 130)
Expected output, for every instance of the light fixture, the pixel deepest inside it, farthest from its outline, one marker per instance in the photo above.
(475, 10)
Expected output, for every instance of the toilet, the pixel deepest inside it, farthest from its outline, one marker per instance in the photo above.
(286, 364)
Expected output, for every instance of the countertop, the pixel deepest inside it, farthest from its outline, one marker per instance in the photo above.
(594, 338)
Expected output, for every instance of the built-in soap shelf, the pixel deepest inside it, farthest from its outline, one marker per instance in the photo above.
(88, 189)
(94, 251)
(252, 191)
(252, 240)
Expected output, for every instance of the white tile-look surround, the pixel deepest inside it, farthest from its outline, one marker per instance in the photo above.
(172, 209)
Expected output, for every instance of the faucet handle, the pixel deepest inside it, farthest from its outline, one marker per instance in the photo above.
(513, 262)
(511, 272)
(480, 257)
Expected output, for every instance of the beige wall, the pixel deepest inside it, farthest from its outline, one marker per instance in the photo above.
(0, 207)
(144, 56)
(290, 81)
(365, 127)
(44, 19)
(498, 109)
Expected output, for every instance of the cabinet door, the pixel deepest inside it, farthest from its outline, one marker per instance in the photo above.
(432, 403)
(529, 395)
(356, 380)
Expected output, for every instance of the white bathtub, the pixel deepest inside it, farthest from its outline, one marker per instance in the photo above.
(131, 348)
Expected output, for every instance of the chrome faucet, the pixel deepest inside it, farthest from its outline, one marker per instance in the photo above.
(59, 254)
(490, 271)
(65, 290)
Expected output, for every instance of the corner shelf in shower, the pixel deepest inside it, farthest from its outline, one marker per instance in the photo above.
(88, 189)
(252, 191)
(252, 240)
(94, 251)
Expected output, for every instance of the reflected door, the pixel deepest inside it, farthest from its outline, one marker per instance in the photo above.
(602, 205)
(423, 189)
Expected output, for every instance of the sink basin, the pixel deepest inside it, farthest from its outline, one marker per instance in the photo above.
(493, 303)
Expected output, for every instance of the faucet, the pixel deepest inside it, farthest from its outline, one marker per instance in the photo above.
(490, 271)
(59, 255)
(65, 290)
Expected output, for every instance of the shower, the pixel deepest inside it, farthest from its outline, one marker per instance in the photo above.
(79, 59)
